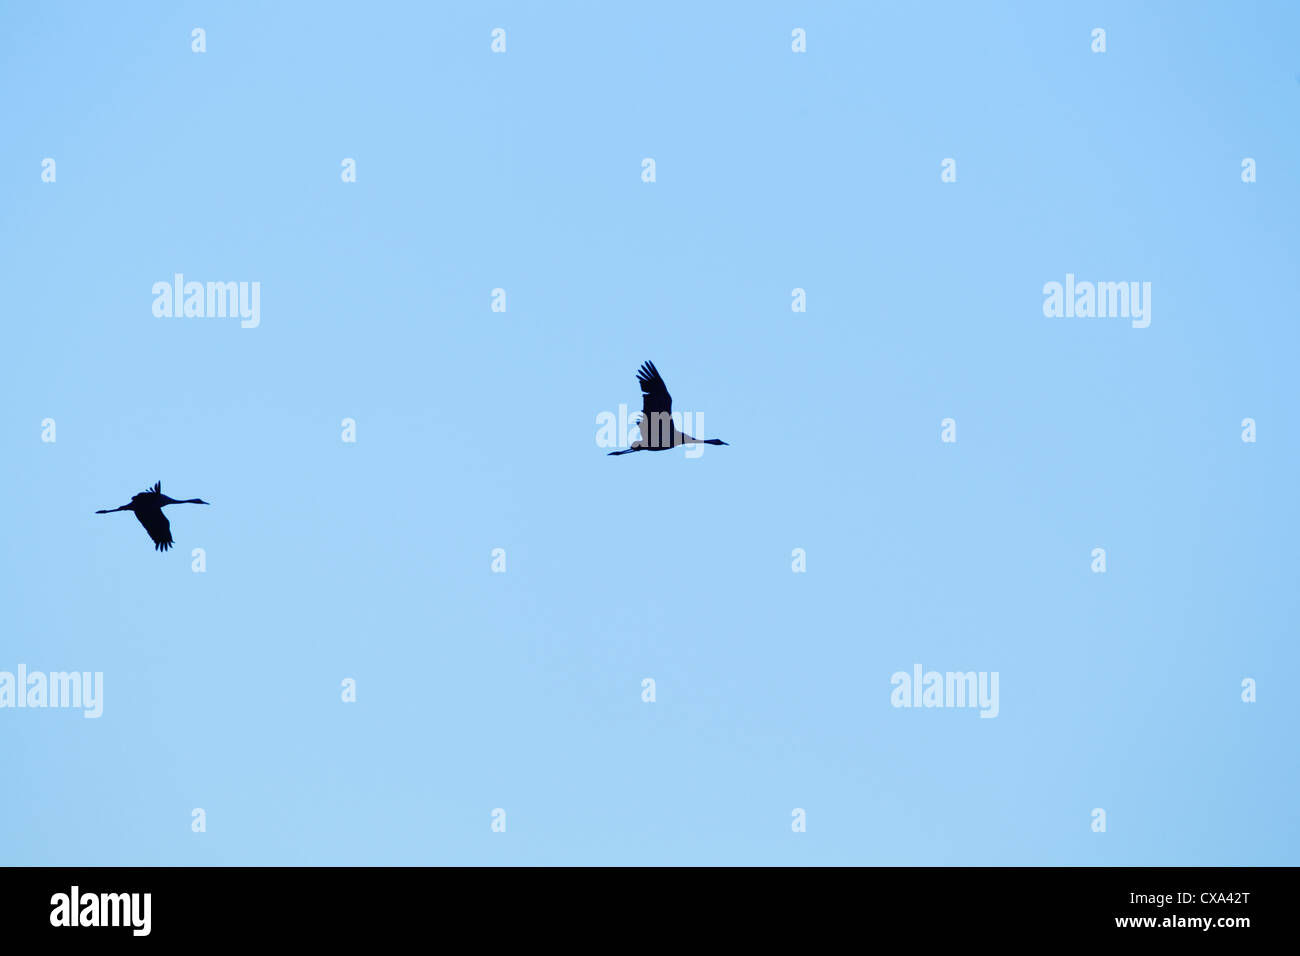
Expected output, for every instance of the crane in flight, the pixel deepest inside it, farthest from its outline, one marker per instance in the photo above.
(148, 506)
(656, 421)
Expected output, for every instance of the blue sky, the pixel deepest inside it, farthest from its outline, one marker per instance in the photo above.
(476, 430)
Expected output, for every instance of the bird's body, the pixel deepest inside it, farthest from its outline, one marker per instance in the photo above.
(148, 506)
(656, 422)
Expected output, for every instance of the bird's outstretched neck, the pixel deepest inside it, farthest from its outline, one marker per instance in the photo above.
(688, 440)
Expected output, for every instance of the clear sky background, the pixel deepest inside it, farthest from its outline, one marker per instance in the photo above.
(476, 430)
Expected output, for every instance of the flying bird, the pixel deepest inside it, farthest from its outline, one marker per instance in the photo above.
(656, 422)
(148, 506)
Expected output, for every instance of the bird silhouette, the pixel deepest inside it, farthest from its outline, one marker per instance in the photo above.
(148, 506)
(656, 421)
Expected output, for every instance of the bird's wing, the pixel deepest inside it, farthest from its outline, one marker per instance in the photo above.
(654, 393)
(155, 522)
(148, 493)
